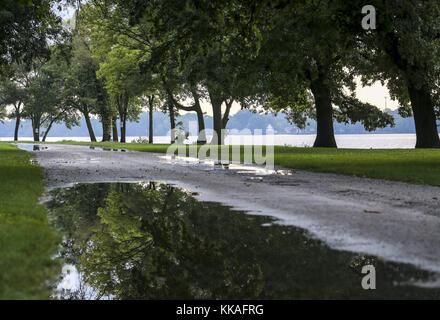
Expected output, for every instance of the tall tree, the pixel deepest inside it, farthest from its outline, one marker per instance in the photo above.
(305, 50)
(85, 90)
(403, 53)
(206, 47)
(121, 72)
(25, 29)
(114, 34)
(103, 105)
(151, 102)
(46, 96)
(13, 94)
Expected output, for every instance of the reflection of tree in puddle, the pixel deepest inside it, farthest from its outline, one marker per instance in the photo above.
(153, 241)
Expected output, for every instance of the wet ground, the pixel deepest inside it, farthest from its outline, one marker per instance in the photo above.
(395, 221)
(154, 241)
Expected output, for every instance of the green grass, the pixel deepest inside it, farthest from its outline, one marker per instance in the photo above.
(420, 166)
(27, 242)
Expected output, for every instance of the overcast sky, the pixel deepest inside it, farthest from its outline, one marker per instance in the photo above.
(374, 94)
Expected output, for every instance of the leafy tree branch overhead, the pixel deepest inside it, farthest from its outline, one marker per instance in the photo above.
(302, 58)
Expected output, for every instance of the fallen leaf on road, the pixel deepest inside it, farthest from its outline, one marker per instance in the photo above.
(371, 211)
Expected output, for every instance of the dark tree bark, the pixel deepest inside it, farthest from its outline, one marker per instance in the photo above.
(227, 111)
(17, 127)
(122, 105)
(424, 117)
(201, 138)
(115, 130)
(36, 135)
(172, 121)
(89, 127)
(106, 127)
(218, 122)
(420, 95)
(216, 103)
(17, 119)
(325, 137)
(150, 119)
(47, 130)
(36, 129)
(123, 123)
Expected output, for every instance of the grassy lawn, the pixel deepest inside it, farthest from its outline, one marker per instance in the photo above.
(27, 243)
(421, 166)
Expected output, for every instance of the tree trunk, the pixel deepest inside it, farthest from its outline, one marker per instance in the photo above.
(422, 104)
(17, 126)
(122, 106)
(115, 130)
(123, 127)
(227, 111)
(216, 103)
(36, 135)
(17, 119)
(150, 119)
(201, 139)
(47, 130)
(325, 136)
(172, 122)
(218, 123)
(424, 117)
(89, 127)
(106, 127)
(36, 130)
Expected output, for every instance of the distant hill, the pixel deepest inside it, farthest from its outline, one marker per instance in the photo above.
(244, 119)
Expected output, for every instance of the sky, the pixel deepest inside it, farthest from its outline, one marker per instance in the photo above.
(375, 94)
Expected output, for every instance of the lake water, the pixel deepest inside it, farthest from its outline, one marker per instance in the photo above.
(356, 141)
(150, 240)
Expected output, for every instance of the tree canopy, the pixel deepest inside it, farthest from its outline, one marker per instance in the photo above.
(25, 29)
(302, 58)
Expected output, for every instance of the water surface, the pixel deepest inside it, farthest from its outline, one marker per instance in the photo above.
(31, 147)
(154, 241)
(356, 141)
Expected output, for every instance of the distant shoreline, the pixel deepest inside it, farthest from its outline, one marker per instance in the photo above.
(9, 138)
(349, 141)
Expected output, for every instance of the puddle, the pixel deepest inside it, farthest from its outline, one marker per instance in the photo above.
(155, 241)
(108, 149)
(31, 147)
(37, 147)
(226, 166)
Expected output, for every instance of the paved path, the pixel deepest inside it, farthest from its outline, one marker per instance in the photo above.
(397, 221)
